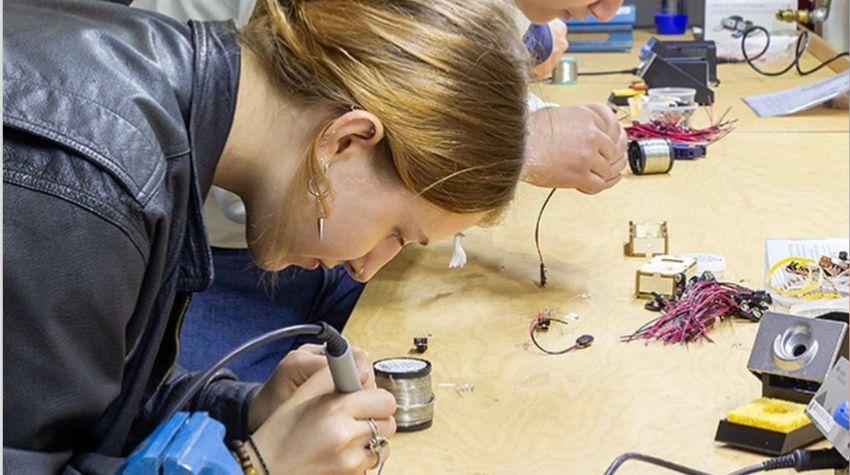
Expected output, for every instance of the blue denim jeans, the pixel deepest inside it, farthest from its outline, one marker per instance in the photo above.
(244, 302)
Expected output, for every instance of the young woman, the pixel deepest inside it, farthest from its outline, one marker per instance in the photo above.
(243, 302)
(348, 128)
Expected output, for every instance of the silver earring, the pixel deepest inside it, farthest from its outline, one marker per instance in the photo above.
(320, 196)
(320, 223)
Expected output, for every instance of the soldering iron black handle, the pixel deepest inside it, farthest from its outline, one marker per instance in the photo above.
(818, 459)
(800, 460)
(335, 344)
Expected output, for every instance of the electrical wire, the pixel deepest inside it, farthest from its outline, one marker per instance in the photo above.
(537, 238)
(321, 330)
(651, 460)
(541, 322)
(606, 73)
(800, 460)
(799, 50)
(689, 315)
(679, 133)
(748, 470)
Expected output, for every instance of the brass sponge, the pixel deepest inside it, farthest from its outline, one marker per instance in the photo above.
(771, 414)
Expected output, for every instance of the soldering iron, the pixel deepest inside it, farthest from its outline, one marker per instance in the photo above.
(194, 443)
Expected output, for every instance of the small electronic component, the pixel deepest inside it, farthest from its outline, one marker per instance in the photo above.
(542, 322)
(647, 239)
(420, 343)
(664, 275)
(584, 341)
(620, 97)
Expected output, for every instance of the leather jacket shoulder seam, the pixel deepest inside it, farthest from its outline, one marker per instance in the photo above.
(75, 95)
(85, 201)
(145, 191)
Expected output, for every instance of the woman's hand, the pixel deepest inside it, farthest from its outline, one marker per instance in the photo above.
(575, 147)
(293, 371)
(558, 29)
(325, 434)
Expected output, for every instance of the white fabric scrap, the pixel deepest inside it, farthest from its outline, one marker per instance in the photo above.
(458, 254)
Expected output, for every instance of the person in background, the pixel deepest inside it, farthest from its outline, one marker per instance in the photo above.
(581, 147)
(546, 43)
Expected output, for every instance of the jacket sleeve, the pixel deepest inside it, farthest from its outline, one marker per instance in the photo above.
(225, 399)
(71, 279)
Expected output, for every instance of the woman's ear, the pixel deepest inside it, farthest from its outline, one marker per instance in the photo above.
(353, 130)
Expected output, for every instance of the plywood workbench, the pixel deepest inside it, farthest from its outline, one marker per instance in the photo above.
(533, 413)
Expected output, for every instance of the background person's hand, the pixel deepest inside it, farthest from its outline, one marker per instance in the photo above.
(580, 147)
(293, 371)
(325, 434)
(558, 29)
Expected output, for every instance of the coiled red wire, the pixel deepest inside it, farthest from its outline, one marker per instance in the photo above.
(678, 133)
(704, 303)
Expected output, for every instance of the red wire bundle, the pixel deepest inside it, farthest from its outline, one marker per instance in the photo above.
(704, 303)
(677, 133)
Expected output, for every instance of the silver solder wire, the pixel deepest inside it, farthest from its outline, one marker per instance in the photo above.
(414, 398)
(658, 156)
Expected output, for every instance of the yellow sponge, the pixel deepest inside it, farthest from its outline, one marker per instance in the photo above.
(771, 414)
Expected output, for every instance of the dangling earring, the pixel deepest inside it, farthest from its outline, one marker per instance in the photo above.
(320, 196)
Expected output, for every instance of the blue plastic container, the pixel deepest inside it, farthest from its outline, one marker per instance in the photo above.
(670, 23)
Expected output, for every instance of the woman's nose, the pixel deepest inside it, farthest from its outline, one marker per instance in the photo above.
(605, 9)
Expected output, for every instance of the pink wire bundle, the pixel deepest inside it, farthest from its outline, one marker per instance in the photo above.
(676, 133)
(704, 302)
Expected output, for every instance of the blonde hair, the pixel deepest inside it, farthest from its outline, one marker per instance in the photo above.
(447, 78)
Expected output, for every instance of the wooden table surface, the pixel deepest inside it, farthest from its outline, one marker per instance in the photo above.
(574, 413)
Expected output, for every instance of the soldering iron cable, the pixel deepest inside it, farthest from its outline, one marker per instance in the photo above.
(800, 460)
(335, 345)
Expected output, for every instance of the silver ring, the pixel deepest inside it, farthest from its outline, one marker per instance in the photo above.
(377, 442)
(379, 461)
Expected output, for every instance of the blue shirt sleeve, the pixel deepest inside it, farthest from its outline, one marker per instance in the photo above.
(538, 41)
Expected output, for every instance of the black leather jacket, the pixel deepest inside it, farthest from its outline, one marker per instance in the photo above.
(113, 122)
